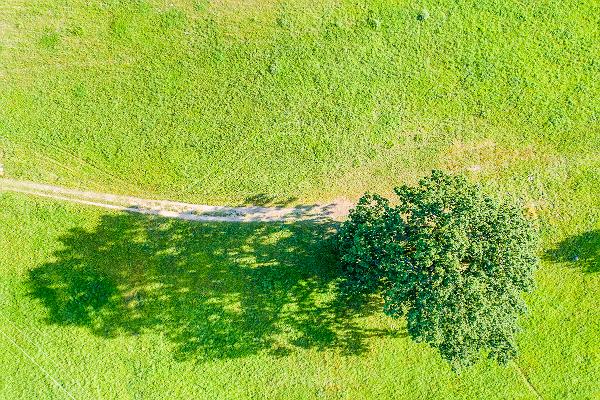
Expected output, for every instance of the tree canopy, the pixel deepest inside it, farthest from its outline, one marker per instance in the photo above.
(450, 258)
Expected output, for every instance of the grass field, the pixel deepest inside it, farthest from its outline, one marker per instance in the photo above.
(262, 101)
(226, 100)
(127, 307)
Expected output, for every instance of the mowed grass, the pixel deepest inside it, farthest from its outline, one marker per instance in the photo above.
(118, 306)
(228, 101)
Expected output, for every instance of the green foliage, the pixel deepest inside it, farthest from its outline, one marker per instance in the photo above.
(206, 310)
(451, 259)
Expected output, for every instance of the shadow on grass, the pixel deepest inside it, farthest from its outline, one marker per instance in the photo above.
(214, 290)
(582, 251)
(263, 200)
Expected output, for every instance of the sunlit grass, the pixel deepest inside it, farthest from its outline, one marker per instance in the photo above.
(125, 306)
(240, 101)
(220, 101)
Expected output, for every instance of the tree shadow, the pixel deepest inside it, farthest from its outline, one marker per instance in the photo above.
(214, 290)
(582, 251)
(264, 199)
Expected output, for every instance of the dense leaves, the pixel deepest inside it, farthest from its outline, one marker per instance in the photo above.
(449, 258)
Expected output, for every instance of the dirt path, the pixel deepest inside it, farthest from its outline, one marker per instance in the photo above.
(185, 211)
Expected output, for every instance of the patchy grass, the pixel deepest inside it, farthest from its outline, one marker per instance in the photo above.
(125, 306)
(280, 103)
(223, 100)
(49, 40)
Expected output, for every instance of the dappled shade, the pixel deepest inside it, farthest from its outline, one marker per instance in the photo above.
(581, 251)
(214, 290)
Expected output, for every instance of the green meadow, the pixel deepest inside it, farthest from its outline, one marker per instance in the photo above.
(226, 100)
(282, 102)
(117, 306)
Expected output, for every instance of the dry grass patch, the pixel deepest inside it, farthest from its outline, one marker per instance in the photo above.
(486, 156)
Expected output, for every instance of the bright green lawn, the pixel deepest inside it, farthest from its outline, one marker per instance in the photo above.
(130, 307)
(221, 101)
(228, 100)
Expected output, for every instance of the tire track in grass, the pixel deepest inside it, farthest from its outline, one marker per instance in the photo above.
(28, 147)
(23, 155)
(55, 381)
(27, 335)
(185, 211)
(79, 160)
(526, 380)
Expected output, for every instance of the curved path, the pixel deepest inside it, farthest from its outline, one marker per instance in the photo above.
(185, 211)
